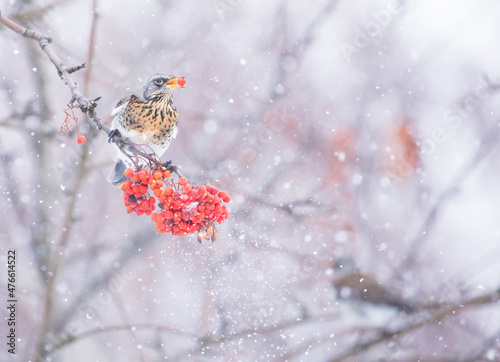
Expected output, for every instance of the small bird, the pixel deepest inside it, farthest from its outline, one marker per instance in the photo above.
(148, 118)
(351, 284)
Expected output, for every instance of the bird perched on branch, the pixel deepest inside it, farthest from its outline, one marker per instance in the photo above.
(351, 284)
(147, 119)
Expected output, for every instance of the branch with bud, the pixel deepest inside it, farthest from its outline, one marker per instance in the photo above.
(86, 105)
(184, 207)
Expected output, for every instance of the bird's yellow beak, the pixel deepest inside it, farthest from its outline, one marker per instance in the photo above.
(176, 82)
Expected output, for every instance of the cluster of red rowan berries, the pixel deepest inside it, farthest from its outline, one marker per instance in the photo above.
(183, 207)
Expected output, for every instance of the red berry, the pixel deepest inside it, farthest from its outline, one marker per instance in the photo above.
(181, 81)
(224, 196)
(183, 207)
(212, 190)
(126, 185)
(144, 177)
(81, 139)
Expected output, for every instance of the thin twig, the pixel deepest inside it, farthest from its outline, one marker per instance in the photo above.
(91, 48)
(85, 104)
(77, 68)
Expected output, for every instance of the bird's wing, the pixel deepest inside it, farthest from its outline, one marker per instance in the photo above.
(121, 104)
(175, 131)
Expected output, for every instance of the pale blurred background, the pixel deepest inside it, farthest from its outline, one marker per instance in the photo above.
(346, 132)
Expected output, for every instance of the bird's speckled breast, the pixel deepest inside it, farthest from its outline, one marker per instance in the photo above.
(153, 120)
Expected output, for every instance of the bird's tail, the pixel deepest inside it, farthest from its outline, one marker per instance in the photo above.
(117, 177)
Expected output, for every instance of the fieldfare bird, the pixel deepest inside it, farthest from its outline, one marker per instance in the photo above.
(147, 118)
(351, 284)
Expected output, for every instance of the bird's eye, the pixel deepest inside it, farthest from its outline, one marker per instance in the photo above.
(158, 81)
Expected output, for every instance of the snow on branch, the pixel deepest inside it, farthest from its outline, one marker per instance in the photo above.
(86, 105)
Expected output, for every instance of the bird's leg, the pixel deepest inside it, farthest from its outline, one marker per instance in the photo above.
(172, 168)
(123, 143)
(114, 136)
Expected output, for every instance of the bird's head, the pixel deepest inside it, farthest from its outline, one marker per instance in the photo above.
(161, 85)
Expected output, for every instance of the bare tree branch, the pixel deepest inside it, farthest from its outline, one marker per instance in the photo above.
(85, 104)
(443, 313)
(142, 326)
